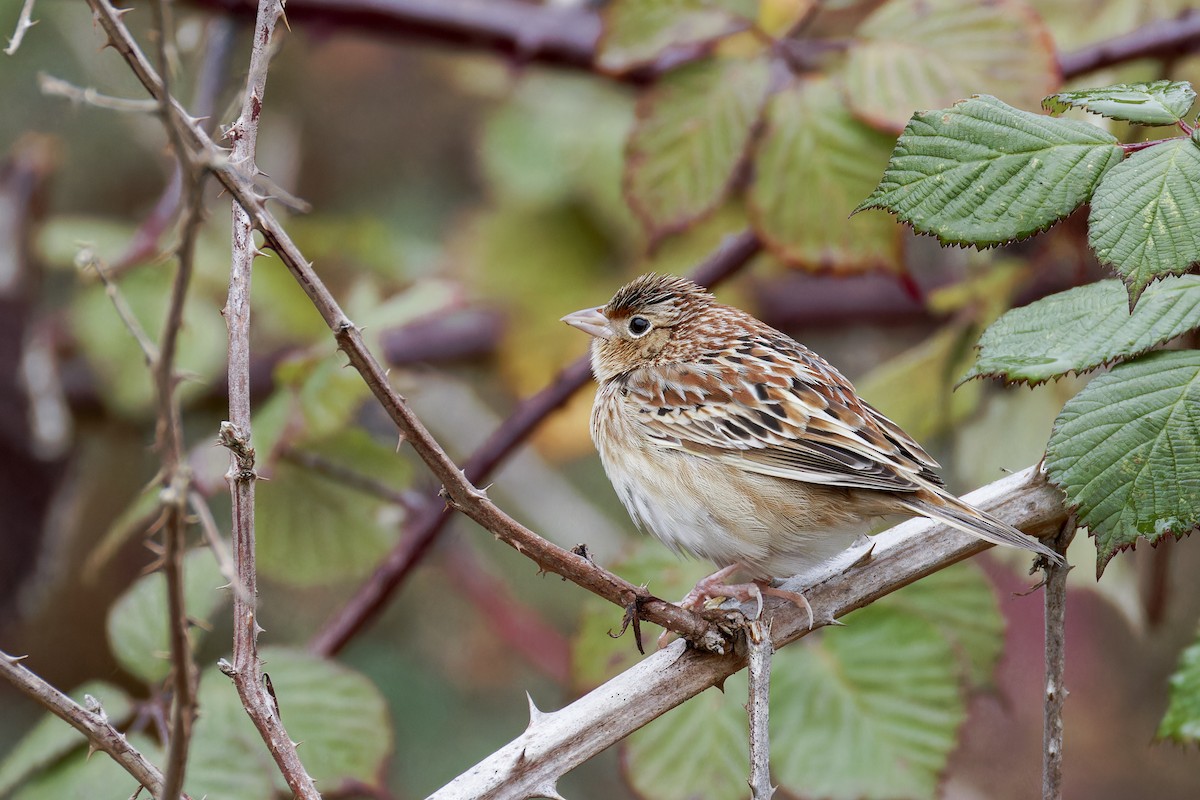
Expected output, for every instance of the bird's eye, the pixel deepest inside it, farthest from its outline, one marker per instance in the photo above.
(638, 325)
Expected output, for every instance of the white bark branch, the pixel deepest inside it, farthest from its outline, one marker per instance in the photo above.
(559, 741)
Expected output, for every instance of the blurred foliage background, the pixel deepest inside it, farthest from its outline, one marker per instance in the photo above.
(462, 202)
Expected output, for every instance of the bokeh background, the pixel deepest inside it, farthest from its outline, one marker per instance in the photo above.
(462, 201)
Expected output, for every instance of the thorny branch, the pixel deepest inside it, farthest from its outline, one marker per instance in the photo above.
(90, 721)
(557, 742)
(176, 479)
(24, 22)
(246, 671)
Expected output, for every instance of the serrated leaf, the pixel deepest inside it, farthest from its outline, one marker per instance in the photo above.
(637, 31)
(922, 54)
(700, 749)
(80, 777)
(693, 129)
(51, 738)
(1083, 328)
(1181, 723)
(983, 173)
(137, 626)
(313, 531)
(1145, 219)
(814, 162)
(960, 603)
(338, 716)
(1153, 103)
(881, 692)
(1126, 450)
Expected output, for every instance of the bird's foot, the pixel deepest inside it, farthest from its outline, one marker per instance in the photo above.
(714, 588)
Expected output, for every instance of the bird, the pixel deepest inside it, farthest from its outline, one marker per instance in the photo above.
(730, 441)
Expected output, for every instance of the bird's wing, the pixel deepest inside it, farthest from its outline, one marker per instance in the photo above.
(769, 405)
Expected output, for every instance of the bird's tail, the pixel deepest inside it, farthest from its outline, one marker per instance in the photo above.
(957, 514)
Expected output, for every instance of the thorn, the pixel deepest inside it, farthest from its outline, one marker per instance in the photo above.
(15, 659)
(865, 557)
(837, 623)
(536, 715)
(226, 668)
(549, 790)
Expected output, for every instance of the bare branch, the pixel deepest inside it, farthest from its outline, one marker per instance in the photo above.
(24, 23)
(731, 256)
(246, 670)
(1056, 692)
(758, 708)
(57, 87)
(557, 742)
(176, 477)
(1166, 38)
(92, 723)
(87, 259)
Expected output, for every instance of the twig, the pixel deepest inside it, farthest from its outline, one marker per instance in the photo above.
(561, 35)
(24, 23)
(732, 255)
(1056, 692)
(348, 476)
(91, 722)
(246, 671)
(212, 535)
(57, 87)
(557, 742)
(87, 259)
(758, 707)
(1159, 39)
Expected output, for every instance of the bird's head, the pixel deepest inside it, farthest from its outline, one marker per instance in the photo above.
(647, 321)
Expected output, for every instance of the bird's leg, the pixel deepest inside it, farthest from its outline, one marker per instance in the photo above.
(714, 586)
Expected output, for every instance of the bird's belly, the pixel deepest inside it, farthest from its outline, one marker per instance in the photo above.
(775, 528)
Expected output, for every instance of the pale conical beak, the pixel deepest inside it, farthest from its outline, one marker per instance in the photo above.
(591, 321)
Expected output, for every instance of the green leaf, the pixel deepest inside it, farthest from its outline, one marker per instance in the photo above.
(81, 776)
(913, 389)
(700, 749)
(1153, 103)
(1126, 450)
(692, 133)
(814, 161)
(51, 738)
(339, 718)
(1084, 328)
(984, 173)
(1181, 723)
(558, 139)
(871, 712)
(637, 31)
(1145, 218)
(960, 603)
(313, 531)
(922, 54)
(138, 625)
